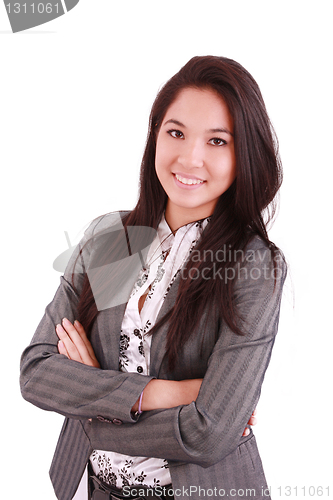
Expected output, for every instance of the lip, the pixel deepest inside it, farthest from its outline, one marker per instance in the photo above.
(187, 176)
(187, 186)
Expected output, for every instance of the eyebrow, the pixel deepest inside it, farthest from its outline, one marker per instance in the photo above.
(211, 130)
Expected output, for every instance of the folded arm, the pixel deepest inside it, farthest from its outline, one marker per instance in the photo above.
(66, 377)
(158, 393)
(203, 431)
(52, 381)
(208, 429)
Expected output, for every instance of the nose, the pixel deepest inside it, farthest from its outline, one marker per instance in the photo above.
(192, 155)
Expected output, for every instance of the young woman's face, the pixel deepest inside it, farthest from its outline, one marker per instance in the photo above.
(195, 157)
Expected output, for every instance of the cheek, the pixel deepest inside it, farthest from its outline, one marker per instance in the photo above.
(232, 171)
(158, 158)
(160, 169)
(230, 166)
(225, 170)
(162, 158)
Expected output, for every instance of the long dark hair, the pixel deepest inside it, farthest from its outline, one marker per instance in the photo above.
(239, 213)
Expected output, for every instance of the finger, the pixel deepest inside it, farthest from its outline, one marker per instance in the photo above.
(254, 412)
(71, 349)
(62, 348)
(78, 342)
(252, 421)
(83, 335)
(246, 432)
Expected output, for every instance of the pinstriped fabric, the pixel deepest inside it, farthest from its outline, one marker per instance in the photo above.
(221, 477)
(202, 440)
(240, 472)
(65, 472)
(208, 430)
(78, 391)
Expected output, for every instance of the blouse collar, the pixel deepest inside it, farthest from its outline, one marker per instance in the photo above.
(167, 237)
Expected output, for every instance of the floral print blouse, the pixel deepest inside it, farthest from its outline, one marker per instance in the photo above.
(166, 256)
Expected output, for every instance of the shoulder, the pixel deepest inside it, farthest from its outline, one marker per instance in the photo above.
(96, 235)
(261, 266)
(104, 223)
(258, 252)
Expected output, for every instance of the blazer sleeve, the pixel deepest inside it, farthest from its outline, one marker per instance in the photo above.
(51, 381)
(207, 430)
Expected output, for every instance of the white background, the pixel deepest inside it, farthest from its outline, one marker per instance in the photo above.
(75, 96)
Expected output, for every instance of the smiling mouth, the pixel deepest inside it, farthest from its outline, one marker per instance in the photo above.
(183, 180)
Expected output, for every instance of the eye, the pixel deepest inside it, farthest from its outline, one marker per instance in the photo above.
(177, 134)
(217, 141)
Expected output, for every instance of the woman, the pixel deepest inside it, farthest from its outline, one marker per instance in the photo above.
(180, 301)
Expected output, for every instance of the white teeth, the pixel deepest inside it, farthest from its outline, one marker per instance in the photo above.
(188, 181)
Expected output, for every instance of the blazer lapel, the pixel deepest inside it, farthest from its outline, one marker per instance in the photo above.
(107, 336)
(158, 343)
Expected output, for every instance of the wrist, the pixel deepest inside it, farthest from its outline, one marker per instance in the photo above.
(137, 407)
(140, 403)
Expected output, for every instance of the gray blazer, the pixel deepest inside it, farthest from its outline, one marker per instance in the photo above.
(202, 441)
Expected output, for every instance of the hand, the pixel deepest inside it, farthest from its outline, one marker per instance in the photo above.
(161, 394)
(74, 343)
(252, 421)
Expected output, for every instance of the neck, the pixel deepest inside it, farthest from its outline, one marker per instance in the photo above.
(177, 217)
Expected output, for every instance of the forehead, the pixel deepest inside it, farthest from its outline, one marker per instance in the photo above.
(205, 106)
